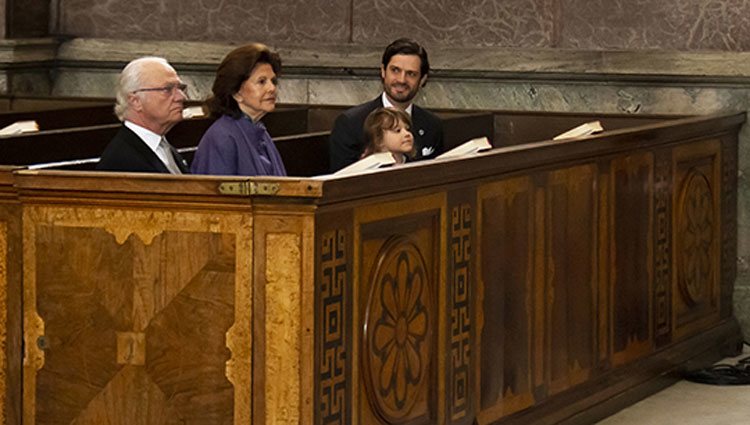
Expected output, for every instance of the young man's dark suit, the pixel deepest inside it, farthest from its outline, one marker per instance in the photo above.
(127, 152)
(347, 137)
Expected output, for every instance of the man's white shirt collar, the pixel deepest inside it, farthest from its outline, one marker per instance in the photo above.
(150, 138)
(387, 104)
(153, 141)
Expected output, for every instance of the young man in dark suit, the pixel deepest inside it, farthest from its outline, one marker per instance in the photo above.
(403, 71)
(150, 99)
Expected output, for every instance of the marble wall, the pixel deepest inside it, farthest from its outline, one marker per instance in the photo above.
(568, 24)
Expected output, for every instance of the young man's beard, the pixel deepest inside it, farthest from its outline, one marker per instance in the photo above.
(402, 97)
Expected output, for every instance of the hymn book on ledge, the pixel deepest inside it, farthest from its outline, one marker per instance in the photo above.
(582, 130)
(370, 162)
(472, 147)
(19, 127)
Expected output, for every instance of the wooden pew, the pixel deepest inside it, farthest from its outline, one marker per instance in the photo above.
(66, 145)
(541, 283)
(83, 142)
(508, 127)
(503, 128)
(56, 145)
(283, 121)
(63, 118)
(15, 103)
(462, 127)
(304, 155)
(514, 127)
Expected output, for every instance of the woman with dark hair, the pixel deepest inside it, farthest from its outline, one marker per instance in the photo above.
(244, 90)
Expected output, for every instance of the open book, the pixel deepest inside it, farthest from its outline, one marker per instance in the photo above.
(19, 127)
(193, 112)
(370, 162)
(582, 130)
(469, 148)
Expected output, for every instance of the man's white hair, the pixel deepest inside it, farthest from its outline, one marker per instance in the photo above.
(131, 79)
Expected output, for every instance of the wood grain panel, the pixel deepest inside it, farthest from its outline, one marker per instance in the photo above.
(631, 214)
(117, 402)
(283, 328)
(507, 222)
(127, 330)
(283, 321)
(11, 331)
(572, 287)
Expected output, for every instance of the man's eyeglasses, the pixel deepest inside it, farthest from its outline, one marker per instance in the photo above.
(169, 89)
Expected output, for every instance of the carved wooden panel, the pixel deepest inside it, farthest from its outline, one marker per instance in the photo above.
(136, 317)
(539, 272)
(695, 234)
(398, 302)
(571, 276)
(396, 334)
(697, 218)
(663, 247)
(510, 292)
(333, 321)
(631, 212)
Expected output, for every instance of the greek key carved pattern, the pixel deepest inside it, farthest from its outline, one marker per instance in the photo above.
(662, 214)
(460, 335)
(333, 397)
(695, 237)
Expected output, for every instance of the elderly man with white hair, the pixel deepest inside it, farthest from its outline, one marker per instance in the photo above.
(150, 99)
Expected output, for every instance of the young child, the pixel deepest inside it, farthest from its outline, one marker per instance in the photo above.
(388, 130)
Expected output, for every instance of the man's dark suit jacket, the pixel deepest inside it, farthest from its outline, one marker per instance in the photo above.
(127, 152)
(348, 140)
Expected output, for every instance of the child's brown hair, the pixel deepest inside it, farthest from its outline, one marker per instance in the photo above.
(377, 122)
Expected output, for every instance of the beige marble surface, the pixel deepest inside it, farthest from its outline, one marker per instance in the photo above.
(348, 59)
(688, 403)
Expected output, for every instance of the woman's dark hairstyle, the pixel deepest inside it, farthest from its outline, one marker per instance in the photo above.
(234, 69)
(406, 46)
(377, 122)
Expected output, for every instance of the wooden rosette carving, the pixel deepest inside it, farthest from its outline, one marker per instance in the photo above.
(695, 236)
(398, 332)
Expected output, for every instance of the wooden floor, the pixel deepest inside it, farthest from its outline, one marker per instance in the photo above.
(688, 403)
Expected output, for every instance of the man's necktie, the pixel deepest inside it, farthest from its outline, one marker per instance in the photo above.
(166, 151)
